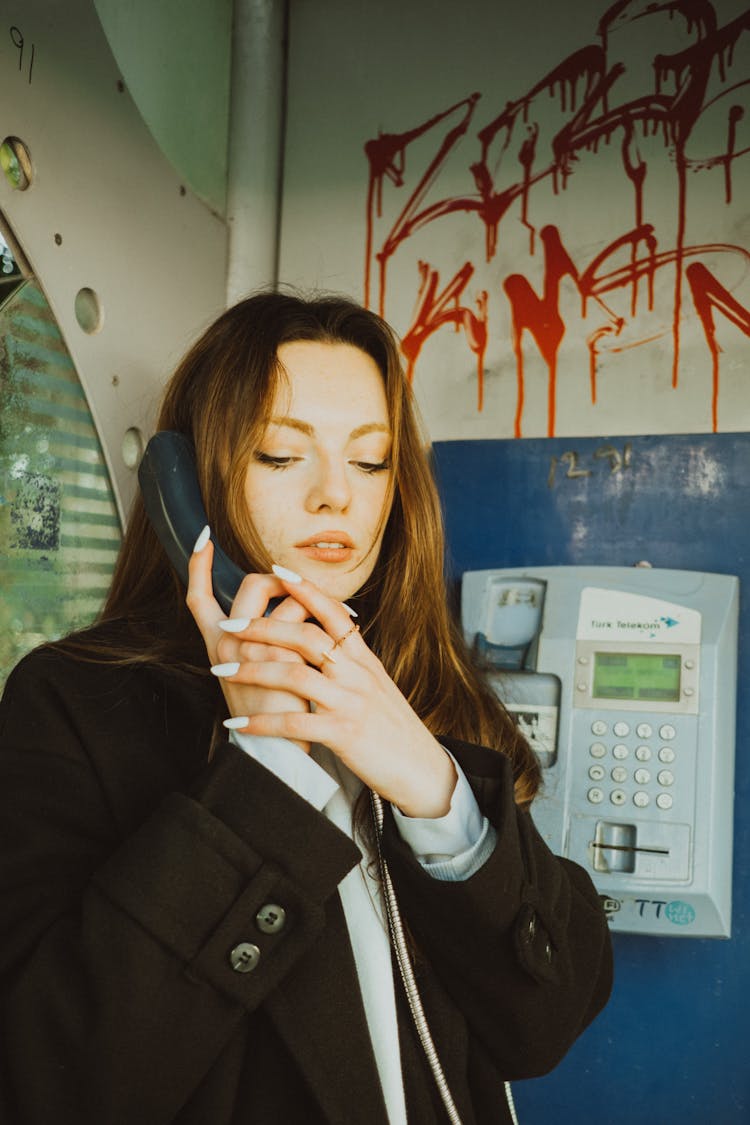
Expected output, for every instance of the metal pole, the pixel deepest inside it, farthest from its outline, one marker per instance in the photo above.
(256, 144)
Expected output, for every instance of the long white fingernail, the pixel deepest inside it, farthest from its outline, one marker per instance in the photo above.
(230, 669)
(349, 610)
(286, 575)
(234, 624)
(237, 722)
(202, 539)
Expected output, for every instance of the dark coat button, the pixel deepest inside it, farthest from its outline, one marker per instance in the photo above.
(244, 957)
(270, 918)
(534, 945)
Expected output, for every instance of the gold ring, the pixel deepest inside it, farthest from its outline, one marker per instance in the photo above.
(342, 638)
(329, 655)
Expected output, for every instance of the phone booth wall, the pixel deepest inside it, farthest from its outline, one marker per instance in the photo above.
(670, 1044)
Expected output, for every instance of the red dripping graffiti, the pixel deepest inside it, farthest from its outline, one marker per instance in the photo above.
(540, 316)
(436, 309)
(518, 153)
(709, 294)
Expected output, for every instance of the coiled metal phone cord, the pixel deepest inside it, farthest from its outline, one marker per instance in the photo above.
(398, 940)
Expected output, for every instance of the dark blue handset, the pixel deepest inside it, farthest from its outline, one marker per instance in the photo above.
(172, 498)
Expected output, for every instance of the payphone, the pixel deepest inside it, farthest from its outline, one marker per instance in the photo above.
(624, 682)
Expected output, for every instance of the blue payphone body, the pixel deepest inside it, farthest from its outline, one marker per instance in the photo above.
(624, 681)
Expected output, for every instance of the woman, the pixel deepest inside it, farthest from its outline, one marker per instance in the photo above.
(193, 924)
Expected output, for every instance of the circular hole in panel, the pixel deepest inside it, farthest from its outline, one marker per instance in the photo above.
(88, 311)
(132, 447)
(15, 162)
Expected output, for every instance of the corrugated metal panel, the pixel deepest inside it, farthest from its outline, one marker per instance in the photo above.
(59, 529)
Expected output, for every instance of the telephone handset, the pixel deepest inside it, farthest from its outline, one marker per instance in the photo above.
(171, 495)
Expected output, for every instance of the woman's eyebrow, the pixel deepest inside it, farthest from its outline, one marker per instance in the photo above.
(370, 428)
(294, 424)
(309, 431)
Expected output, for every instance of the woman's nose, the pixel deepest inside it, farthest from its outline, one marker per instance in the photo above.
(330, 488)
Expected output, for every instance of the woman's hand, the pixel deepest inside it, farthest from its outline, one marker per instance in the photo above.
(226, 648)
(357, 710)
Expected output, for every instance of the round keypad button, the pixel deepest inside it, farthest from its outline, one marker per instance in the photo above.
(641, 799)
(595, 795)
(666, 755)
(665, 777)
(643, 730)
(598, 727)
(621, 729)
(596, 773)
(618, 797)
(664, 800)
(643, 753)
(619, 774)
(642, 777)
(667, 732)
(598, 750)
(619, 751)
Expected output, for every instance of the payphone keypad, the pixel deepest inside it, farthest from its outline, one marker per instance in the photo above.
(643, 775)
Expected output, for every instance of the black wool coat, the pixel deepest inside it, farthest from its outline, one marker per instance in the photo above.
(133, 874)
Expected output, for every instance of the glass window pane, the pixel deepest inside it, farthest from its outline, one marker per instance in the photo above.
(59, 528)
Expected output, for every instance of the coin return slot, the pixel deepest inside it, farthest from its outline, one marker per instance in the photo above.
(616, 847)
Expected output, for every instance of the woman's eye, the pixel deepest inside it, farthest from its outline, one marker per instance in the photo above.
(373, 466)
(274, 462)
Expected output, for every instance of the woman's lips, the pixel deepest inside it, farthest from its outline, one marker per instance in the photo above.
(327, 554)
(331, 547)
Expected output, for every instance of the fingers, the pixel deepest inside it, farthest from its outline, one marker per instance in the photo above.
(305, 639)
(252, 597)
(299, 599)
(285, 636)
(252, 642)
(296, 679)
(200, 598)
(333, 616)
(288, 626)
(288, 609)
(254, 594)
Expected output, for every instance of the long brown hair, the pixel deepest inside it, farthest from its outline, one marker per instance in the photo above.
(221, 396)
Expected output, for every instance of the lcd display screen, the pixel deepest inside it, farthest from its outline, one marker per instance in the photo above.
(646, 676)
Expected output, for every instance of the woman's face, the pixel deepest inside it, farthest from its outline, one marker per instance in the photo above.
(316, 486)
